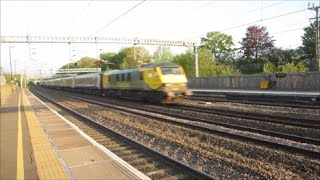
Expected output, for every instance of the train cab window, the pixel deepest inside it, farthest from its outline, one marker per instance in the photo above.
(128, 77)
(155, 73)
(170, 70)
(117, 77)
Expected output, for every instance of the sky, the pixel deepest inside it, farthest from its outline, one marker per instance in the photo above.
(165, 20)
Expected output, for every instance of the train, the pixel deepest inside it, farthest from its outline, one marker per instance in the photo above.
(157, 83)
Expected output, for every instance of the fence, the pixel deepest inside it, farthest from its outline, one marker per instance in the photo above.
(286, 82)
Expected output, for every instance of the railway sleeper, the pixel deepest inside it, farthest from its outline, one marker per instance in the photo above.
(97, 135)
(175, 177)
(89, 130)
(133, 156)
(114, 145)
(141, 161)
(93, 128)
(126, 152)
(160, 173)
(121, 149)
(101, 140)
(148, 167)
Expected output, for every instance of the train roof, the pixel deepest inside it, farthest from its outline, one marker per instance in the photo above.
(137, 69)
(88, 75)
(117, 71)
(160, 64)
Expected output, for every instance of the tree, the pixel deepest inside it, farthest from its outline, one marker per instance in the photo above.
(117, 60)
(269, 68)
(162, 54)
(308, 47)
(134, 57)
(257, 41)
(219, 44)
(186, 60)
(85, 62)
(107, 60)
(291, 67)
(207, 65)
(278, 56)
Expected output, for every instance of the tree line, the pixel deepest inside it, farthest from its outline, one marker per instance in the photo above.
(217, 55)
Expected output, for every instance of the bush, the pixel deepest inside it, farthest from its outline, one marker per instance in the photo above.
(291, 67)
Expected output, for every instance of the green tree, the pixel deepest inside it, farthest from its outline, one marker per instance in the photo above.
(226, 70)
(117, 60)
(134, 57)
(278, 56)
(308, 48)
(162, 54)
(219, 44)
(186, 60)
(107, 60)
(291, 67)
(207, 65)
(269, 68)
(85, 62)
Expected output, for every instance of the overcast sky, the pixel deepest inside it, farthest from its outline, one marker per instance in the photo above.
(168, 20)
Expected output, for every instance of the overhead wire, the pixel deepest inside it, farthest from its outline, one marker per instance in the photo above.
(266, 19)
(288, 30)
(114, 20)
(75, 18)
(246, 24)
(265, 7)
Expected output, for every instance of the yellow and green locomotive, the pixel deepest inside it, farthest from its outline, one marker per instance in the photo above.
(164, 82)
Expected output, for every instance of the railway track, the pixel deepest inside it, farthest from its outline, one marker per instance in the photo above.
(150, 162)
(265, 141)
(291, 121)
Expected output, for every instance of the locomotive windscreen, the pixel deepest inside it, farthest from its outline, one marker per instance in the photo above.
(170, 70)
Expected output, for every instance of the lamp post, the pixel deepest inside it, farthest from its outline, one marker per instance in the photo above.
(15, 70)
(10, 61)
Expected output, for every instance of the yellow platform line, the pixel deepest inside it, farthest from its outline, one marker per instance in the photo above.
(48, 165)
(20, 162)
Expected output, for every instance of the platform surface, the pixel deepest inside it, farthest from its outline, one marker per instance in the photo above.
(37, 143)
(11, 116)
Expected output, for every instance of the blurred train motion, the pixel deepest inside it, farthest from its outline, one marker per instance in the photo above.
(163, 83)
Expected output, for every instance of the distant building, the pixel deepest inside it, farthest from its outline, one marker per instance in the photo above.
(3, 80)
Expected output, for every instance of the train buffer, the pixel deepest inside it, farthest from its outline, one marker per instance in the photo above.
(38, 143)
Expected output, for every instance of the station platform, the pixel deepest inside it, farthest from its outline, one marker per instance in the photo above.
(38, 143)
(261, 92)
(310, 97)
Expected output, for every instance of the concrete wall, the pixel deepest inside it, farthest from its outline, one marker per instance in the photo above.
(287, 82)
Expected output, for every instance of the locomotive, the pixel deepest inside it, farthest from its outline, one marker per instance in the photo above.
(165, 83)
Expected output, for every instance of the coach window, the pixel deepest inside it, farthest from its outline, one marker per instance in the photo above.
(128, 77)
(141, 75)
(123, 77)
(117, 77)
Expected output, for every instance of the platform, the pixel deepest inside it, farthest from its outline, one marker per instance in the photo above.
(38, 143)
(260, 92)
(302, 97)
